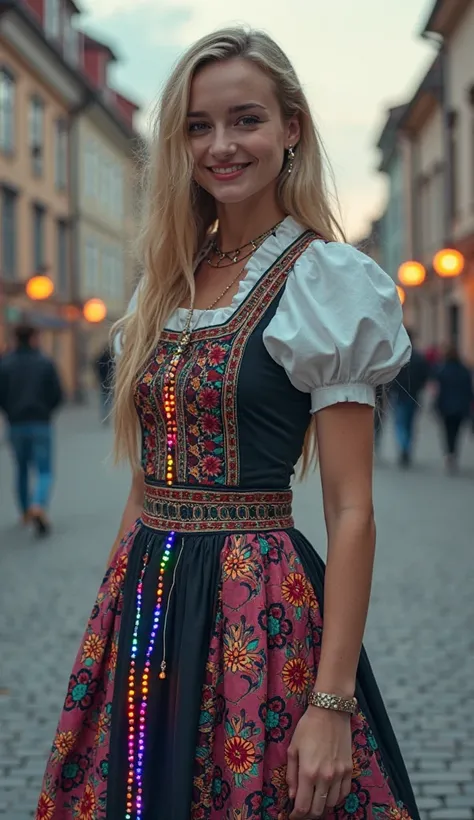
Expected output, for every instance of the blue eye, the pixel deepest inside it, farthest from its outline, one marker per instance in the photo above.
(250, 119)
(196, 127)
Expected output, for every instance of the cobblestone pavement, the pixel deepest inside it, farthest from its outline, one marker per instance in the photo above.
(420, 631)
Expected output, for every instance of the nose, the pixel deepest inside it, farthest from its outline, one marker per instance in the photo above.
(222, 147)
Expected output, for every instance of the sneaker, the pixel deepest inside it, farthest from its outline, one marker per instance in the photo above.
(40, 522)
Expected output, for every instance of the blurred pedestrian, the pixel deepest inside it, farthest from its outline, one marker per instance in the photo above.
(30, 392)
(104, 368)
(405, 393)
(453, 402)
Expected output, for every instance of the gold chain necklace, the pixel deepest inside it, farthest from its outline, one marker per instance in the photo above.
(236, 255)
(186, 332)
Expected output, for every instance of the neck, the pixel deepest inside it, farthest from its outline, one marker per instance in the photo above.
(241, 222)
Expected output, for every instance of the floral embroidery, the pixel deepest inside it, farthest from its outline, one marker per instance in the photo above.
(73, 772)
(241, 650)
(296, 674)
(240, 563)
(278, 627)
(63, 745)
(276, 720)
(46, 807)
(241, 755)
(220, 790)
(93, 649)
(70, 787)
(245, 731)
(355, 805)
(81, 690)
(87, 806)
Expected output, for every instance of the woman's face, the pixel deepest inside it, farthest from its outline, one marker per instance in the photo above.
(236, 131)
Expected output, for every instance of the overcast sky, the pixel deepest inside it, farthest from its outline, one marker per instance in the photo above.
(354, 57)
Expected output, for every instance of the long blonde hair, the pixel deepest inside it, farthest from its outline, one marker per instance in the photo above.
(177, 213)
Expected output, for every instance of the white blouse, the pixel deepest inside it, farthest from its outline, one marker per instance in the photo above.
(338, 329)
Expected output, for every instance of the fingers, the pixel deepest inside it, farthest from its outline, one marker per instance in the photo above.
(321, 795)
(346, 788)
(304, 798)
(334, 794)
(292, 773)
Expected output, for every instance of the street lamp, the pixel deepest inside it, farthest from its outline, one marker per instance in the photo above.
(39, 287)
(411, 274)
(94, 311)
(448, 263)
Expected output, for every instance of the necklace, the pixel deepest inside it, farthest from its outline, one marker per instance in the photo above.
(227, 258)
(186, 332)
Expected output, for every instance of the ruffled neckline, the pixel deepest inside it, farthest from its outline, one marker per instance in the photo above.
(263, 258)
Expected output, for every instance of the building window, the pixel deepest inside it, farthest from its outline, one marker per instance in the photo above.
(118, 191)
(453, 163)
(470, 96)
(52, 18)
(91, 161)
(62, 258)
(36, 134)
(8, 234)
(61, 154)
(7, 111)
(70, 40)
(91, 273)
(38, 237)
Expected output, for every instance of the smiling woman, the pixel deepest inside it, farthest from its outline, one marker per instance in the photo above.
(212, 683)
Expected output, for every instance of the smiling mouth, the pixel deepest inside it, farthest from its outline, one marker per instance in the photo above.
(223, 170)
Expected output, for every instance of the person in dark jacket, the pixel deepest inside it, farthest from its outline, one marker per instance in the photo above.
(104, 367)
(30, 392)
(453, 402)
(405, 393)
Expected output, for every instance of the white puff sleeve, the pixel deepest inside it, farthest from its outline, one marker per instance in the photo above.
(338, 330)
(132, 306)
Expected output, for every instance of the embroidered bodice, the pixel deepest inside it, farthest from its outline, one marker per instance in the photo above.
(312, 324)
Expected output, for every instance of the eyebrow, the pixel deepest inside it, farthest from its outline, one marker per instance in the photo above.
(235, 109)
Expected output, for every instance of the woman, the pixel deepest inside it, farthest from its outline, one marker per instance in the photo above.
(206, 686)
(453, 402)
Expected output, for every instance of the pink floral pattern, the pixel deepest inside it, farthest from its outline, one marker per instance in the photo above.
(262, 661)
(74, 784)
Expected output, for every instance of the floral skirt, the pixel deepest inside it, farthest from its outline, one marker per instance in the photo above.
(239, 629)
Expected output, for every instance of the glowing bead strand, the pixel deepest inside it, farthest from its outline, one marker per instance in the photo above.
(145, 687)
(131, 693)
(136, 752)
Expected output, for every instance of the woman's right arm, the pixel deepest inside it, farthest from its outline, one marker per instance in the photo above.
(132, 511)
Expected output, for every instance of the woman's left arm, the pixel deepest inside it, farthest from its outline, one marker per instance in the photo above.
(345, 441)
(320, 755)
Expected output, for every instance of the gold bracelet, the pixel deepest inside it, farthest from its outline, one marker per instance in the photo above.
(334, 702)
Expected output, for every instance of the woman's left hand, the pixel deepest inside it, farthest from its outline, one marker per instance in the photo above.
(319, 772)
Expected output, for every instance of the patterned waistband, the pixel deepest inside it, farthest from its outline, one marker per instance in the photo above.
(186, 510)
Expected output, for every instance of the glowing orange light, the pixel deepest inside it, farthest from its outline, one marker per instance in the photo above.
(401, 294)
(95, 311)
(39, 287)
(448, 263)
(411, 274)
(71, 312)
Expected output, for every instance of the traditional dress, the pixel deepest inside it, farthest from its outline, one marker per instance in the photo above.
(205, 638)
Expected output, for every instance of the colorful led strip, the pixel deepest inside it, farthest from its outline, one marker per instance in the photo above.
(136, 751)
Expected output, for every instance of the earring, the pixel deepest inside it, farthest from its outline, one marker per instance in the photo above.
(291, 158)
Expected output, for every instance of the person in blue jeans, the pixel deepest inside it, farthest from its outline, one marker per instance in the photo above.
(30, 393)
(404, 397)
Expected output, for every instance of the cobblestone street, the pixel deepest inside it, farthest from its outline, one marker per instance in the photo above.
(420, 633)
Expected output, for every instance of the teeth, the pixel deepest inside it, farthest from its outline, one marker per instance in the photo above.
(228, 169)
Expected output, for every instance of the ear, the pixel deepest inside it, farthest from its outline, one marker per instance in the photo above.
(293, 132)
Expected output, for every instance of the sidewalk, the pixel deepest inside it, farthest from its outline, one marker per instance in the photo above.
(419, 632)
